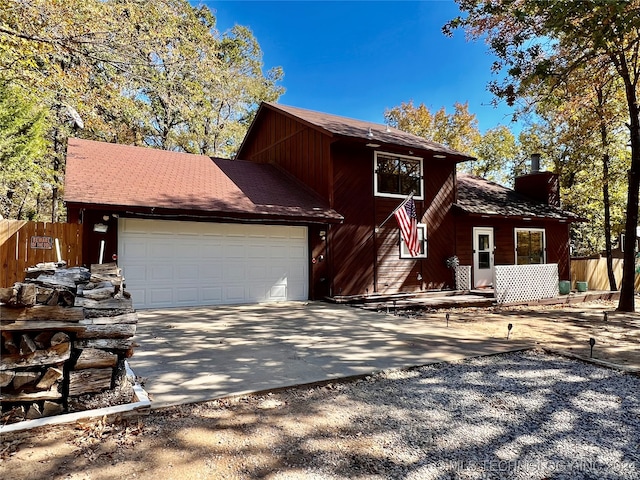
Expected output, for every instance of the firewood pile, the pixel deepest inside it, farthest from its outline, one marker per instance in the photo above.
(65, 333)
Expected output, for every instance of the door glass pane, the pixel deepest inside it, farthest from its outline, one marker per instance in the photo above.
(483, 242)
(484, 261)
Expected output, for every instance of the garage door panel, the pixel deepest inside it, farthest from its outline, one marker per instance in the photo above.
(235, 293)
(160, 297)
(187, 296)
(169, 263)
(135, 248)
(161, 273)
(211, 295)
(234, 251)
(210, 273)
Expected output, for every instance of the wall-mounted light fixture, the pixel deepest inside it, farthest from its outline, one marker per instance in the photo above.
(439, 155)
(373, 145)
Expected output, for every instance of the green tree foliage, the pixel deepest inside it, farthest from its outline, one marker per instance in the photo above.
(22, 145)
(542, 41)
(495, 151)
(137, 72)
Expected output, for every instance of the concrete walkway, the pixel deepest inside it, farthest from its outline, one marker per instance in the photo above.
(203, 353)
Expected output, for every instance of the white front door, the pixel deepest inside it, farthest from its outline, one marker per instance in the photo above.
(482, 257)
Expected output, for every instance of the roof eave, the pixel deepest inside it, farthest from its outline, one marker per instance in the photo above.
(523, 217)
(160, 212)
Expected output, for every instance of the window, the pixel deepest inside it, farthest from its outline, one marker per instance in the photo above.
(397, 175)
(422, 241)
(530, 246)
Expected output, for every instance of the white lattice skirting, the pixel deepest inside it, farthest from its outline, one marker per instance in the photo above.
(463, 277)
(522, 283)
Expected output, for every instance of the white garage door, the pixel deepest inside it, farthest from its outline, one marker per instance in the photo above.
(170, 263)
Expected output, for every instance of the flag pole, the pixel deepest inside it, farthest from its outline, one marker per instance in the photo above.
(395, 210)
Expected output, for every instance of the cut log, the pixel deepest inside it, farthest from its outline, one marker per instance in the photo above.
(66, 298)
(6, 377)
(8, 343)
(102, 284)
(76, 274)
(105, 343)
(43, 325)
(53, 298)
(51, 394)
(43, 294)
(124, 318)
(26, 294)
(116, 330)
(92, 380)
(27, 345)
(8, 295)
(43, 339)
(105, 269)
(99, 293)
(54, 281)
(41, 312)
(51, 356)
(23, 379)
(51, 408)
(95, 358)
(51, 376)
(95, 313)
(33, 412)
(110, 303)
(98, 278)
(59, 338)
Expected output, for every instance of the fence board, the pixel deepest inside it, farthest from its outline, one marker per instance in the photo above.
(16, 253)
(594, 272)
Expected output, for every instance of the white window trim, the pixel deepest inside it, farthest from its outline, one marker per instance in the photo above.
(422, 238)
(524, 229)
(418, 195)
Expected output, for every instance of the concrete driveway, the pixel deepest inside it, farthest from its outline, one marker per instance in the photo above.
(189, 355)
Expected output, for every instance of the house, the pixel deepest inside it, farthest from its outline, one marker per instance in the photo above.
(302, 213)
(499, 226)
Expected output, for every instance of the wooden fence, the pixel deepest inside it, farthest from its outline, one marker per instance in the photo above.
(24, 244)
(594, 272)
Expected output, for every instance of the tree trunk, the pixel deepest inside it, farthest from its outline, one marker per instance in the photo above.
(604, 138)
(627, 291)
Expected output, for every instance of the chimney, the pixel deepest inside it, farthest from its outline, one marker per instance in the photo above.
(541, 186)
(535, 162)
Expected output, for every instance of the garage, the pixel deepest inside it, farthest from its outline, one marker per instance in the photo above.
(174, 263)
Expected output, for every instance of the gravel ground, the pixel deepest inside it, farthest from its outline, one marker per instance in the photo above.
(527, 415)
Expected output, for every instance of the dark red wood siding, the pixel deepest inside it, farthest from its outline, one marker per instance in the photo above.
(301, 150)
(368, 261)
(556, 233)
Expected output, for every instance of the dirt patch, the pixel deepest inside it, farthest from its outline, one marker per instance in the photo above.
(559, 327)
(280, 435)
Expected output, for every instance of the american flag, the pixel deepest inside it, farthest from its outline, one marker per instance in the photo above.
(408, 222)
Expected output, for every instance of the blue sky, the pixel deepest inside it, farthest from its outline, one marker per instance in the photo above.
(358, 58)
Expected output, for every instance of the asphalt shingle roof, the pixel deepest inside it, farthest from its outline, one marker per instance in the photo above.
(481, 197)
(124, 175)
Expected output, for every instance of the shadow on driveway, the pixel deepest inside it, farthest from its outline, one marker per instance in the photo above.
(196, 354)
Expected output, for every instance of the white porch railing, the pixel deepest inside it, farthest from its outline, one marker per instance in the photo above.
(463, 277)
(521, 283)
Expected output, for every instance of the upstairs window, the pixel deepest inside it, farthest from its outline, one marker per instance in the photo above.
(397, 175)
